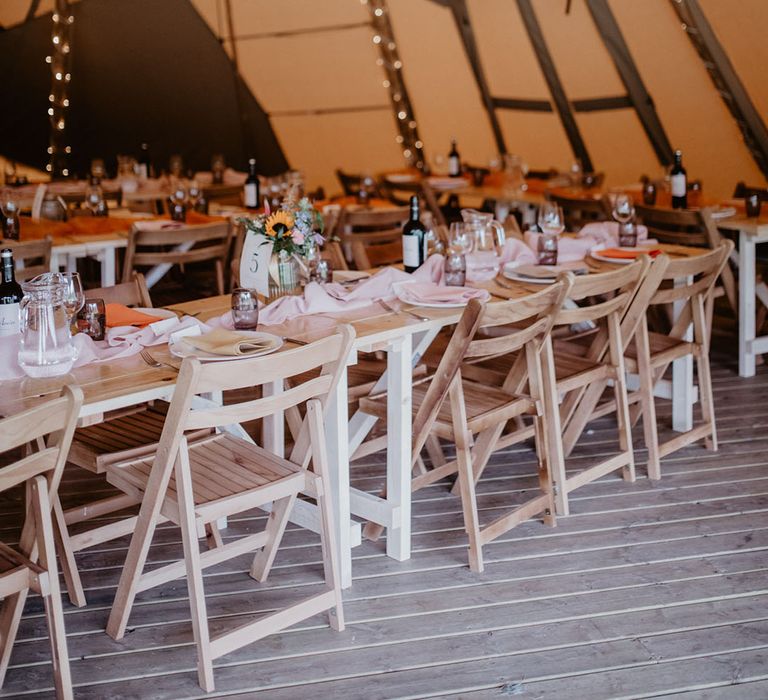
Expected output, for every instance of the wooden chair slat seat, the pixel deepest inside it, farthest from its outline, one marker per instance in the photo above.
(193, 483)
(32, 258)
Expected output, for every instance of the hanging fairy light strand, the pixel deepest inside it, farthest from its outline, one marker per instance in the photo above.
(60, 62)
(389, 60)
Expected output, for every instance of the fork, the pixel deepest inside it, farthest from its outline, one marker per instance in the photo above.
(393, 310)
(151, 361)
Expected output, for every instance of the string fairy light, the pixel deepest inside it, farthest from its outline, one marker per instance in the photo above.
(60, 63)
(384, 40)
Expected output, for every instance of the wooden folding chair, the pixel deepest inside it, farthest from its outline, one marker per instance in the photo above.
(693, 227)
(193, 483)
(32, 565)
(179, 246)
(567, 374)
(651, 353)
(579, 211)
(473, 414)
(32, 258)
(372, 238)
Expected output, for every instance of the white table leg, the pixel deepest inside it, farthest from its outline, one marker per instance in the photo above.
(107, 259)
(72, 262)
(274, 425)
(682, 378)
(746, 305)
(399, 401)
(337, 438)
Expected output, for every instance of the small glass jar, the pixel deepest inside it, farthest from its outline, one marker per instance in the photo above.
(752, 205)
(245, 309)
(92, 319)
(455, 269)
(649, 194)
(627, 234)
(547, 249)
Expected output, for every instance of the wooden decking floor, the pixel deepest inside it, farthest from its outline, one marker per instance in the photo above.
(646, 590)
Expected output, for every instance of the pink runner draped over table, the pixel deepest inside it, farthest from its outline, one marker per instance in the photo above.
(124, 341)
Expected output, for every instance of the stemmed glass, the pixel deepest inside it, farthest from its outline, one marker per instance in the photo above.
(460, 238)
(74, 296)
(624, 213)
(97, 169)
(178, 199)
(194, 194)
(551, 225)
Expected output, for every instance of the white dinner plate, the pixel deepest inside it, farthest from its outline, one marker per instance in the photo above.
(508, 271)
(180, 348)
(595, 253)
(397, 287)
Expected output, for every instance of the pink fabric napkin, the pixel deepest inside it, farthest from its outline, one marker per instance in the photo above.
(607, 232)
(485, 265)
(154, 334)
(431, 293)
(568, 249)
(335, 297)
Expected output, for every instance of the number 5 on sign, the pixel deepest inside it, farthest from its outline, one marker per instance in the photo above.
(254, 263)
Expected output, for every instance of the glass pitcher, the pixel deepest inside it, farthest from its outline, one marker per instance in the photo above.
(488, 239)
(46, 348)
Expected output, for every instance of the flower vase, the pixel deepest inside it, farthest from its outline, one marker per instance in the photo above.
(285, 278)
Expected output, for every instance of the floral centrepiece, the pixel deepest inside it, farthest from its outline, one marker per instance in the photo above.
(294, 229)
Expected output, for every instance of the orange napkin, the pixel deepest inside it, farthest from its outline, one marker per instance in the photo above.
(628, 254)
(120, 315)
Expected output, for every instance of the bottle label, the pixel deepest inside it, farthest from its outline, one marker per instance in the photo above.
(411, 252)
(454, 166)
(9, 319)
(678, 184)
(251, 195)
(142, 171)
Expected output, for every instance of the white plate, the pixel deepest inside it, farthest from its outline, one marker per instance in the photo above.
(508, 271)
(429, 304)
(400, 177)
(595, 253)
(723, 212)
(182, 349)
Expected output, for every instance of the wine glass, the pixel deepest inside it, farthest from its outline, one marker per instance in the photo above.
(624, 213)
(623, 210)
(194, 193)
(97, 168)
(176, 165)
(551, 221)
(74, 296)
(551, 225)
(577, 173)
(460, 238)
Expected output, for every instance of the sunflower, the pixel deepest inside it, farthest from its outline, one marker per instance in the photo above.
(278, 223)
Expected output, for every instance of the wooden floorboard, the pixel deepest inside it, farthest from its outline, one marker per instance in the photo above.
(646, 590)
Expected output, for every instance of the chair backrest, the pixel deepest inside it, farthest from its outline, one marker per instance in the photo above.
(744, 190)
(702, 269)
(55, 418)
(32, 258)
(329, 354)
(224, 194)
(373, 236)
(131, 293)
(189, 244)
(578, 211)
(350, 183)
(678, 226)
(619, 286)
(533, 316)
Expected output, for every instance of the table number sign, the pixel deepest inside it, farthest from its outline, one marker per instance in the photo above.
(254, 263)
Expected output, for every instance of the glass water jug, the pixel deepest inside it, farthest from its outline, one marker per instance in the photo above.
(46, 348)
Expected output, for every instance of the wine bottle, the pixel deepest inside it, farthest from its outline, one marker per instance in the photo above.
(145, 163)
(454, 161)
(414, 239)
(251, 188)
(679, 183)
(10, 296)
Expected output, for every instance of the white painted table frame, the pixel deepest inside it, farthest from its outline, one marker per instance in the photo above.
(750, 233)
(66, 256)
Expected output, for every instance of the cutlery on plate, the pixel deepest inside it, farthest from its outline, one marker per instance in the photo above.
(295, 341)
